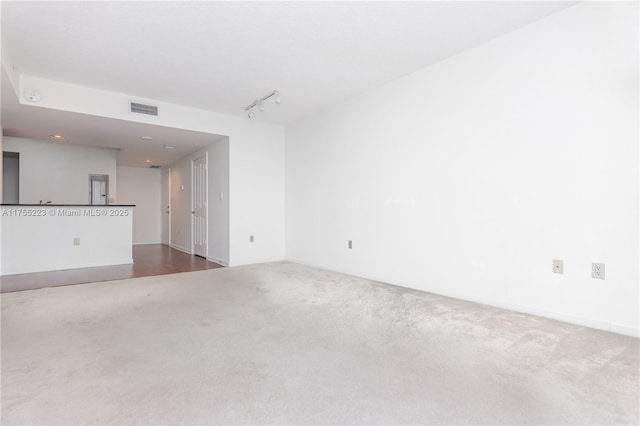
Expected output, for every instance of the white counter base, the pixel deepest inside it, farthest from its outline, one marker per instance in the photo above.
(42, 238)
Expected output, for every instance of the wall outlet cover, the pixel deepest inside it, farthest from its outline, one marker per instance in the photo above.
(597, 270)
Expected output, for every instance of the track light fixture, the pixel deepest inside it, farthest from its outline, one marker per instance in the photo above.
(260, 103)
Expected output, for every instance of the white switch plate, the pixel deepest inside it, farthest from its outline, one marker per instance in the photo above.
(597, 271)
(76, 241)
(558, 266)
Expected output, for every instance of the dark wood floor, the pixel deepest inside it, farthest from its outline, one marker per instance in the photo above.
(149, 259)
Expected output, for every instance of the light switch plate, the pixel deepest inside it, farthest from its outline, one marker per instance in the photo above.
(558, 266)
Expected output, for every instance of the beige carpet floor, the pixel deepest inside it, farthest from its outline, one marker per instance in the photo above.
(282, 343)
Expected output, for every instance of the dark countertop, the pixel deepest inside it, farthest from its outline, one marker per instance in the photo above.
(67, 205)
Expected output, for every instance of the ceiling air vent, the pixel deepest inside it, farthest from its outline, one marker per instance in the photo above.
(154, 166)
(143, 108)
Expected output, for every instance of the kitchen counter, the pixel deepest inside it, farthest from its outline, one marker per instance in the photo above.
(52, 237)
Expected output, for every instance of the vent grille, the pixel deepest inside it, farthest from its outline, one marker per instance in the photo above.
(154, 166)
(143, 108)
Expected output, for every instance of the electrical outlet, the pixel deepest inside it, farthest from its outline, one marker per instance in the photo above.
(350, 245)
(597, 271)
(558, 266)
(250, 238)
(76, 241)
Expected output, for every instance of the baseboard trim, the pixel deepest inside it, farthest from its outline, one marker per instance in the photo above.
(598, 324)
(180, 248)
(218, 261)
(624, 329)
(254, 261)
(72, 266)
(151, 242)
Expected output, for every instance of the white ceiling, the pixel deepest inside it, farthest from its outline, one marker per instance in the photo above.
(220, 56)
(33, 122)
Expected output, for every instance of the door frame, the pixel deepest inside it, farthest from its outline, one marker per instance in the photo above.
(205, 155)
(166, 171)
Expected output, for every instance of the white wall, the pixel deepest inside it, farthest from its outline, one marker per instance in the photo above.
(181, 203)
(218, 202)
(468, 177)
(142, 187)
(59, 172)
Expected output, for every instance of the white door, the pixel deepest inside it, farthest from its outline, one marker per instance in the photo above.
(98, 189)
(199, 201)
(165, 177)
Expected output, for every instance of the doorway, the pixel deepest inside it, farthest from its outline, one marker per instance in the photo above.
(10, 177)
(199, 211)
(165, 200)
(98, 190)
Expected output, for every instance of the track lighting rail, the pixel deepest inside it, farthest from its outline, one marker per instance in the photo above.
(260, 103)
